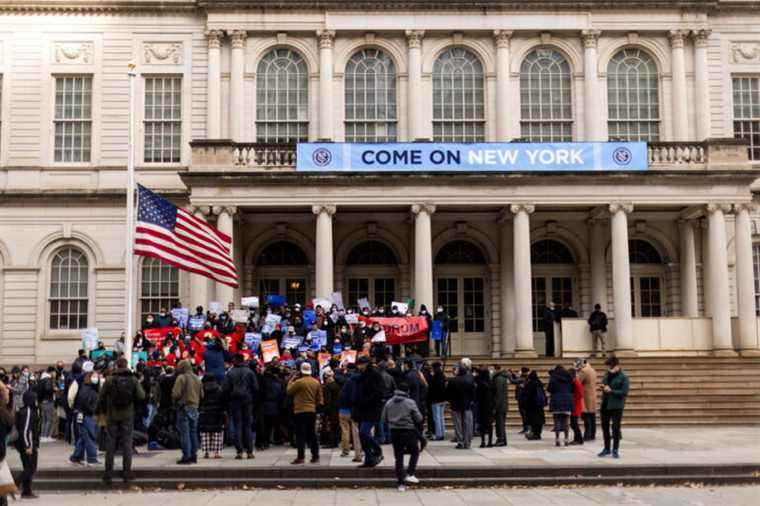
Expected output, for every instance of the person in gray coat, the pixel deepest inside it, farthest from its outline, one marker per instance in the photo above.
(404, 418)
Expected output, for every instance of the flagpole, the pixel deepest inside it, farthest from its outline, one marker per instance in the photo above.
(129, 259)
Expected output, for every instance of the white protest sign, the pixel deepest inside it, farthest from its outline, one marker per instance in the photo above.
(181, 314)
(379, 337)
(352, 319)
(249, 302)
(337, 299)
(401, 306)
(272, 319)
(215, 307)
(90, 338)
(325, 303)
(363, 302)
(240, 315)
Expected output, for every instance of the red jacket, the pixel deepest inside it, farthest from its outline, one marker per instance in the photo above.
(578, 407)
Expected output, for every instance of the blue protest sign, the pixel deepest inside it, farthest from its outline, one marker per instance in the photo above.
(252, 340)
(276, 300)
(291, 342)
(337, 348)
(309, 316)
(436, 330)
(181, 314)
(318, 339)
(195, 323)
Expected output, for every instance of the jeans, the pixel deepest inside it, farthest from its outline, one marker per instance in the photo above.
(47, 410)
(306, 434)
(441, 346)
(86, 442)
(242, 419)
(120, 431)
(615, 416)
(463, 427)
(405, 441)
(440, 428)
(372, 450)
(187, 424)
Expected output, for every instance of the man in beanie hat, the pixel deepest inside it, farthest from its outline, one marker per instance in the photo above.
(307, 397)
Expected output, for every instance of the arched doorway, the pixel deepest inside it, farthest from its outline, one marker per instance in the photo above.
(647, 279)
(372, 274)
(554, 278)
(460, 287)
(281, 269)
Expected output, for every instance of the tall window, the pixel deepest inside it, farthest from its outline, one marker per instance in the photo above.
(69, 275)
(633, 96)
(458, 97)
(747, 112)
(546, 110)
(756, 265)
(163, 119)
(159, 287)
(282, 97)
(73, 118)
(370, 97)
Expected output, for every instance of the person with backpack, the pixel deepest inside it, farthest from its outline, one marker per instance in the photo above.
(46, 389)
(117, 400)
(597, 324)
(85, 404)
(187, 394)
(28, 426)
(240, 389)
(535, 402)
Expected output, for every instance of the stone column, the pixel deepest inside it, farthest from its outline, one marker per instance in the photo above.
(326, 40)
(678, 66)
(745, 280)
(719, 291)
(621, 279)
(507, 285)
(592, 120)
(199, 284)
(238, 39)
(495, 303)
(597, 243)
(423, 254)
(687, 247)
(414, 97)
(701, 83)
(324, 245)
(214, 85)
(501, 39)
(225, 223)
(522, 280)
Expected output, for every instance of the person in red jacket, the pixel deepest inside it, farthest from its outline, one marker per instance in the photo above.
(578, 409)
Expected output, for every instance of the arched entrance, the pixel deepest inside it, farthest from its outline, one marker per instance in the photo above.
(554, 279)
(281, 269)
(647, 279)
(461, 289)
(371, 273)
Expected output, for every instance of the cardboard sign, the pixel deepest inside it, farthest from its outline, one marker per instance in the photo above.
(269, 350)
(352, 319)
(348, 356)
(323, 359)
(195, 323)
(337, 299)
(89, 338)
(181, 314)
(249, 302)
(402, 307)
(252, 340)
(325, 303)
(215, 307)
(290, 342)
(409, 329)
(240, 315)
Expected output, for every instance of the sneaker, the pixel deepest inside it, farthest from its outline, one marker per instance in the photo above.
(239, 456)
(183, 462)
(30, 495)
(297, 462)
(412, 479)
(402, 488)
(357, 459)
(251, 456)
(615, 454)
(604, 453)
(92, 464)
(76, 462)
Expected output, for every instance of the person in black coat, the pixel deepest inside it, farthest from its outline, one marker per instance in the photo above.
(534, 399)
(561, 403)
(211, 417)
(28, 441)
(272, 402)
(550, 316)
(367, 408)
(241, 389)
(437, 399)
(485, 396)
(460, 392)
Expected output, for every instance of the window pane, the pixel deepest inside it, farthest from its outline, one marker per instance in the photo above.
(73, 119)
(370, 97)
(159, 286)
(282, 89)
(746, 94)
(633, 96)
(458, 97)
(68, 290)
(546, 94)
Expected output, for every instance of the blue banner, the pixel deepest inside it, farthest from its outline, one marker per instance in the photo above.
(474, 157)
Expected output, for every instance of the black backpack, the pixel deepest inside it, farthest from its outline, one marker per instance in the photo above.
(122, 391)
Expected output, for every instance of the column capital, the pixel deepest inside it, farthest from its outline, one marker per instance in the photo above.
(519, 208)
(700, 36)
(329, 209)
(750, 207)
(238, 38)
(687, 222)
(677, 38)
(200, 210)
(230, 210)
(590, 38)
(625, 207)
(414, 38)
(214, 38)
(425, 207)
(502, 38)
(326, 38)
(713, 207)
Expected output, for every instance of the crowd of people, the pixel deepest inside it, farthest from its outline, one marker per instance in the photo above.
(201, 390)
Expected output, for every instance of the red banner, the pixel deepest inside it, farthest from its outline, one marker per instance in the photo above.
(158, 335)
(403, 330)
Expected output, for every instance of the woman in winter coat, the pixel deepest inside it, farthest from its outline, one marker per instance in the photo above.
(28, 426)
(484, 393)
(578, 408)
(535, 400)
(211, 418)
(561, 403)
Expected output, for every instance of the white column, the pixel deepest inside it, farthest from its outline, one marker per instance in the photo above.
(414, 97)
(592, 120)
(745, 280)
(621, 279)
(701, 84)
(678, 67)
(199, 284)
(705, 240)
(501, 39)
(522, 280)
(494, 301)
(324, 256)
(238, 39)
(423, 255)
(507, 287)
(214, 85)
(687, 247)
(719, 291)
(326, 40)
(225, 224)
(597, 244)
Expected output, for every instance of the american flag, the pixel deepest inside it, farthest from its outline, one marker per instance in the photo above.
(178, 238)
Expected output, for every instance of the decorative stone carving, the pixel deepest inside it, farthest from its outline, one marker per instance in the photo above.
(326, 38)
(423, 208)
(745, 52)
(590, 38)
(323, 208)
(700, 37)
(414, 38)
(502, 37)
(677, 38)
(229, 210)
(162, 53)
(214, 38)
(518, 208)
(238, 39)
(625, 207)
(74, 52)
(713, 207)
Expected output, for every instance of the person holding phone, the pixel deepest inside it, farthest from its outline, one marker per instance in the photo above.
(615, 386)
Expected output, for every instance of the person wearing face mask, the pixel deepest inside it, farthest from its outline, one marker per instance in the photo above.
(442, 346)
(379, 311)
(28, 441)
(424, 348)
(84, 417)
(164, 318)
(19, 386)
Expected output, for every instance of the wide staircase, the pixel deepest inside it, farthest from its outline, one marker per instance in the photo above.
(667, 391)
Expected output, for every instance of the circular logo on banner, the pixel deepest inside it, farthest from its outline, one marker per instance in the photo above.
(622, 156)
(321, 157)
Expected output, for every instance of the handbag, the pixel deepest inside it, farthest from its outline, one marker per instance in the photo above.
(7, 485)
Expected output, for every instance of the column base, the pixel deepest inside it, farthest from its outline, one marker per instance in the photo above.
(725, 353)
(525, 354)
(752, 352)
(626, 353)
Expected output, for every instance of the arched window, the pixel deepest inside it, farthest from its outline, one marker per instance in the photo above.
(370, 82)
(159, 287)
(458, 97)
(633, 96)
(460, 252)
(282, 253)
(642, 252)
(371, 253)
(69, 277)
(546, 105)
(550, 252)
(282, 97)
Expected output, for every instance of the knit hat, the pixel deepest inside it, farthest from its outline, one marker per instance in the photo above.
(87, 367)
